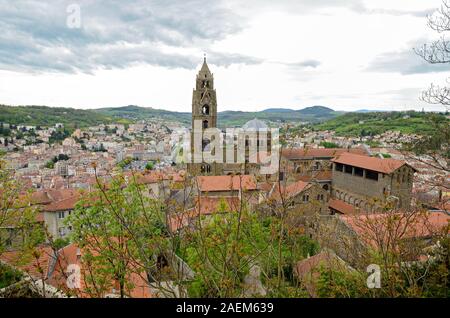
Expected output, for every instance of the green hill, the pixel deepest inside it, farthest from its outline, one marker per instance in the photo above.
(225, 118)
(373, 123)
(132, 112)
(49, 116)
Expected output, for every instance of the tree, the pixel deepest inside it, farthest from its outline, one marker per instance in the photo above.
(434, 148)
(122, 233)
(438, 52)
(411, 252)
(327, 144)
(19, 230)
(149, 165)
(50, 164)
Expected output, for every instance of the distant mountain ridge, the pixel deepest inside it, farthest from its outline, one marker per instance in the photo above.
(226, 118)
(49, 116)
(324, 118)
(72, 117)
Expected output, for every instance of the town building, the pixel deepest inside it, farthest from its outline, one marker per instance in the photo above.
(372, 183)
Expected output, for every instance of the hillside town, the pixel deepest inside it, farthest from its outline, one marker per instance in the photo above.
(332, 193)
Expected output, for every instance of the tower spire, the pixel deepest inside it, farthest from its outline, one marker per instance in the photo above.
(204, 57)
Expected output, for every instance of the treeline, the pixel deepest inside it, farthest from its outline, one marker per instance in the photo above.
(370, 124)
(49, 116)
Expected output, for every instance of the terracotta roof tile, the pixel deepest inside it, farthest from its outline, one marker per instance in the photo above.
(289, 191)
(72, 254)
(210, 205)
(371, 163)
(35, 264)
(226, 183)
(418, 225)
(341, 206)
(203, 206)
(62, 205)
(308, 270)
(307, 153)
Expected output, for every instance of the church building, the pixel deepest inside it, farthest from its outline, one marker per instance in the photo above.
(254, 137)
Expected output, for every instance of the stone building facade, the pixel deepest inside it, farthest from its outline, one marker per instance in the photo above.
(310, 161)
(204, 111)
(254, 136)
(370, 183)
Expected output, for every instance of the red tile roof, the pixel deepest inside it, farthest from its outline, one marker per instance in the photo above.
(308, 270)
(210, 205)
(289, 191)
(72, 254)
(63, 205)
(62, 194)
(341, 206)
(371, 163)
(308, 153)
(204, 206)
(226, 183)
(373, 228)
(40, 197)
(35, 263)
(156, 176)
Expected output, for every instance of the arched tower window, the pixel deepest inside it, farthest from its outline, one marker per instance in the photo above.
(206, 144)
(205, 124)
(205, 109)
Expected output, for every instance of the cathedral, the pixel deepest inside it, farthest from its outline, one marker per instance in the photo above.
(232, 153)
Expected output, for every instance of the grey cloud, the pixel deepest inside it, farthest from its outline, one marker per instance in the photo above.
(408, 94)
(405, 62)
(313, 6)
(419, 14)
(303, 6)
(306, 63)
(296, 66)
(227, 59)
(117, 33)
(114, 34)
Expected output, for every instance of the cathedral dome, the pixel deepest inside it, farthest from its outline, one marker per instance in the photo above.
(255, 124)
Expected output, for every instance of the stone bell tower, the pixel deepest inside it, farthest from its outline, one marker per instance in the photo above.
(204, 102)
(204, 111)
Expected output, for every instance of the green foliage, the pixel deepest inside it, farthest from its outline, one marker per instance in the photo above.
(50, 164)
(60, 157)
(399, 278)
(149, 166)
(58, 136)
(49, 116)
(341, 284)
(226, 118)
(125, 162)
(8, 276)
(222, 251)
(17, 215)
(4, 131)
(370, 124)
(327, 144)
(435, 142)
(373, 143)
(120, 233)
(60, 243)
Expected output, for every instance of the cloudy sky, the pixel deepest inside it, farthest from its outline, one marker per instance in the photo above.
(345, 54)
